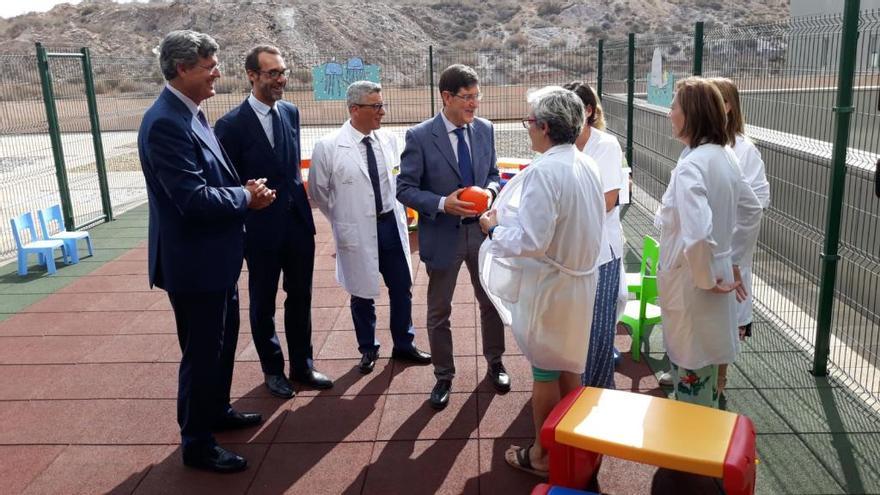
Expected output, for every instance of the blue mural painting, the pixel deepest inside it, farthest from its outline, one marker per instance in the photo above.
(661, 84)
(331, 79)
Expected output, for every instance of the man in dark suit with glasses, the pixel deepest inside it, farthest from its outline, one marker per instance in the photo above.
(262, 136)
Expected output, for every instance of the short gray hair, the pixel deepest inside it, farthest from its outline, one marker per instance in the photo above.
(358, 90)
(561, 110)
(184, 47)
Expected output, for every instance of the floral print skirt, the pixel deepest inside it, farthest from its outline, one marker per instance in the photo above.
(698, 386)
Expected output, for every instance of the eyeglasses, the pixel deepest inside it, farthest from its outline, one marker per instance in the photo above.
(275, 74)
(375, 106)
(526, 122)
(211, 68)
(470, 98)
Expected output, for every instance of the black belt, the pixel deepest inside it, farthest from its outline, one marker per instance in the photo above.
(384, 216)
(469, 220)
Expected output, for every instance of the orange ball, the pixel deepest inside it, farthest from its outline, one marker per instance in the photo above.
(476, 196)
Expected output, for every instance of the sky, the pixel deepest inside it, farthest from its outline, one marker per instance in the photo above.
(12, 8)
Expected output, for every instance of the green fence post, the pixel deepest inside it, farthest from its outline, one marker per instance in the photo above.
(698, 48)
(842, 112)
(55, 136)
(630, 95)
(600, 66)
(95, 125)
(431, 76)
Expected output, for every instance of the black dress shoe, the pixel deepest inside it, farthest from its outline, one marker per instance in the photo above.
(368, 362)
(500, 378)
(235, 420)
(313, 379)
(214, 458)
(440, 394)
(278, 386)
(413, 356)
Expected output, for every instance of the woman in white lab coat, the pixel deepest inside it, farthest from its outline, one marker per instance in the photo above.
(708, 217)
(752, 167)
(539, 264)
(605, 150)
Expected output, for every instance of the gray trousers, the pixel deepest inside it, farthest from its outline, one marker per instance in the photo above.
(441, 287)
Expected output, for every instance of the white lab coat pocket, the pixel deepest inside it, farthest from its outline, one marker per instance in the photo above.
(346, 235)
(505, 279)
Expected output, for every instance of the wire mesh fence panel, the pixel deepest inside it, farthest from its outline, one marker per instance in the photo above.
(614, 88)
(27, 172)
(855, 345)
(124, 89)
(659, 62)
(69, 89)
(787, 76)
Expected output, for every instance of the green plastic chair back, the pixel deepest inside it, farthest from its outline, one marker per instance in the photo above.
(645, 311)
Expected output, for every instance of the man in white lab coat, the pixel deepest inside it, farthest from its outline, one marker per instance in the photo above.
(351, 181)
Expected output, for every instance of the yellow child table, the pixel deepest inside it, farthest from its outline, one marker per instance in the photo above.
(591, 422)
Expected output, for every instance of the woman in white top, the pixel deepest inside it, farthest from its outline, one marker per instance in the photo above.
(605, 150)
(539, 263)
(752, 167)
(708, 217)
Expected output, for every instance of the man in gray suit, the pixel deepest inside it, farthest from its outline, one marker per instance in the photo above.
(444, 155)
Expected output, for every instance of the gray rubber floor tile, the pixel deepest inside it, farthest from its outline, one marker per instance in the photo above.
(750, 403)
(853, 459)
(785, 370)
(823, 410)
(787, 465)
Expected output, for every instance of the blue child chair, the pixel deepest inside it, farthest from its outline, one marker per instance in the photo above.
(27, 242)
(53, 228)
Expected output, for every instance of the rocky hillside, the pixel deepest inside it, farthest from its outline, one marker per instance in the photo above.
(306, 28)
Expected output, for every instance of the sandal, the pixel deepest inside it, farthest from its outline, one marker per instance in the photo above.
(518, 458)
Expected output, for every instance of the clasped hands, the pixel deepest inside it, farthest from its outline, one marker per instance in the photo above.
(261, 196)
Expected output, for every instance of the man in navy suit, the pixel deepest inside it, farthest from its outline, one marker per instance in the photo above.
(443, 155)
(197, 211)
(262, 137)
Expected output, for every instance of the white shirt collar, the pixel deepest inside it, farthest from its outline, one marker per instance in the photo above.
(259, 106)
(185, 99)
(358, 136)
(449, 125)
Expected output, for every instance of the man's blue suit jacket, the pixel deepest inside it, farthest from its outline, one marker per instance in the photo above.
(429, 171)
(197, 204)
(244, 139)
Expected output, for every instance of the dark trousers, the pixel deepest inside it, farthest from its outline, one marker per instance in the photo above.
(207, 329)
(441, 288)
(395, 272)
(295, 258)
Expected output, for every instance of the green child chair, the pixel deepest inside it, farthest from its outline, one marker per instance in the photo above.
(650, 256)
(642, 312)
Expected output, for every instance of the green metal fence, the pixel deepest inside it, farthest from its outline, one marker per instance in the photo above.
(789, 75)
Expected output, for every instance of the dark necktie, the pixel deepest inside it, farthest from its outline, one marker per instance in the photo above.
(204, 121)
(464, 159)
(373, 170)
(277, 134)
